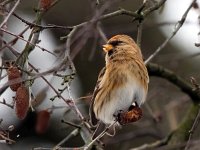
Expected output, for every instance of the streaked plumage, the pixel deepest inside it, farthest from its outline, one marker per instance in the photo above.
(123, 80)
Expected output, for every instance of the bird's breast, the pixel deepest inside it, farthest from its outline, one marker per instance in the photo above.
(118, 97)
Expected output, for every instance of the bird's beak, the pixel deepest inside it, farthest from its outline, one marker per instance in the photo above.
(107, 47)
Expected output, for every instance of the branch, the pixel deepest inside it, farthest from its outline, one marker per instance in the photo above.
(140, 25)
(28, 42)
(154, 144)
(119, 12)
(71, 124)
(191, 131)
(100, 135)
(153, 8)
(159, 71)
(181, 134)
(177, 27)
(7, 139)
(5, 103)
(132, 135)
(42, 27)
(12, 42)
(10, 13)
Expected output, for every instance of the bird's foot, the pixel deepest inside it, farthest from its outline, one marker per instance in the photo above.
(117, 114)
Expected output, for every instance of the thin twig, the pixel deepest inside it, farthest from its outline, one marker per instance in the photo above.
(60, 96)
(61, 148)
(10, 13)
(19, 37)
(97, 2)
(8, 140)
(71, 124)
(140, 24)
(134, 134)
(101, 33)
(178, 146)
(139, 34)
(99, 136)
(197, 119)
(149, 109)
(154, 7)
(42, 27)
(155, 144)
(5, 103)
(194, 126)
(177, 27)
(12, 42)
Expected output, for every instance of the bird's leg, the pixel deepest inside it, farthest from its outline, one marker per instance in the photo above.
(116, 114)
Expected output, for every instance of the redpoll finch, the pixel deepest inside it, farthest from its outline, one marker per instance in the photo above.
(122, 83)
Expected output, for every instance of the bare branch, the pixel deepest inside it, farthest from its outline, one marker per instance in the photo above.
(42, 27)
(5, 103)
(197, 119)
(71, 124)
(99, 136)
(177, 27)
(10, 13)
(12, 42)
(19, 37)
(159, 71)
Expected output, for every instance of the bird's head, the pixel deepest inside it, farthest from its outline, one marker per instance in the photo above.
(121, 44)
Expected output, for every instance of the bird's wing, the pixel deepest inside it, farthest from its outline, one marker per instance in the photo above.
(93, 118)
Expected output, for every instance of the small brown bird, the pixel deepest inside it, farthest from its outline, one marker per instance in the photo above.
(122, 83)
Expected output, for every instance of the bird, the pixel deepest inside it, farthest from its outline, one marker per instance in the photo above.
(121, 84)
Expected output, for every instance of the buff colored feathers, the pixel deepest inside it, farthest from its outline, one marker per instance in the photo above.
(121, 83)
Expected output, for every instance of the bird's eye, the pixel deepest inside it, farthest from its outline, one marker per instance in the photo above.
(115, 43)
(110, 52)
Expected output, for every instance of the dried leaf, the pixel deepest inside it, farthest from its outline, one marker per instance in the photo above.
(22, 102)
(14, 73)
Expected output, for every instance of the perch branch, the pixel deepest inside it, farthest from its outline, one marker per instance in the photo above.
(159, 71)
(181, 134)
